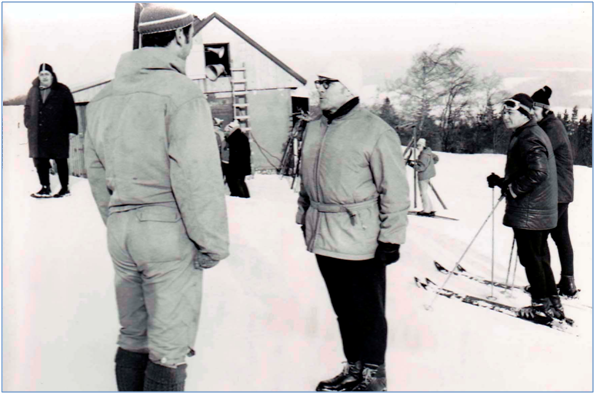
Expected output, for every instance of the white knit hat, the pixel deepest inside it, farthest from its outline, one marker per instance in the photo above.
(421, 142)
(159, 18)
(347, 72)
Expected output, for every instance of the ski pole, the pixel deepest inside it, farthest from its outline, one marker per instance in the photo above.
(514, 269)
(429, 306)
(492, 256)
(507, 287)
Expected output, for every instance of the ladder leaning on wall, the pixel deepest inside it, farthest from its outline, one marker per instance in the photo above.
(240, 103)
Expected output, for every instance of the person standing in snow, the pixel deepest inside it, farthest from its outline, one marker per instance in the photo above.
(425, 167)
(530, 188)
(555, 130)
(50, 118)
(353, 207)
(239, 166)
(154, 171)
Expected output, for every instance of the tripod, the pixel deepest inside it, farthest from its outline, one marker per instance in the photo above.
(290, 160)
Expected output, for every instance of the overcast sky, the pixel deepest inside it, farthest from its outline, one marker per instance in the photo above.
(529, 45)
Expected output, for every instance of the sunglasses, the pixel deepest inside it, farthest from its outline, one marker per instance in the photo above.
(325, 83)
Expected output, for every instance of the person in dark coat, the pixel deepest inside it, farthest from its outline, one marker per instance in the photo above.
(530, 188)
(559, 139)
(50, 117)
(239, 164)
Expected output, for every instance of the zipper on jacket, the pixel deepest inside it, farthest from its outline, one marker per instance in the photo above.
(317, 188)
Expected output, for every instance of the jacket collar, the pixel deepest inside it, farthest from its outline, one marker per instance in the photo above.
(343, 110)
(531, 123)
(149, 59)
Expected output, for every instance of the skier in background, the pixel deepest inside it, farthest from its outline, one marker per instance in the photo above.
(555, 130)
(425, 166)
(530, 188)
(353, 208)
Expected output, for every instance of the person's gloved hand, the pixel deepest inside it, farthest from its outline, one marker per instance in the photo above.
(506, 191)
(412, 163)
(494, 180)
(387, 253)
(203, 261)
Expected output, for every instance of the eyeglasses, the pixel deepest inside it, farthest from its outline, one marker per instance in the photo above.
(325, 83)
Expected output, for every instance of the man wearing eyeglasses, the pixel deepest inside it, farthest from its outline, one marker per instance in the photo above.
(530, 187)
(353, 209)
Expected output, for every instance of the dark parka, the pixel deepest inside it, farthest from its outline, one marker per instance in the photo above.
(239, 147)
(532, 173)
(49, 124)
(557, 134)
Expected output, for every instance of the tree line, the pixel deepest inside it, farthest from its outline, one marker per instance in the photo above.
(457, 111)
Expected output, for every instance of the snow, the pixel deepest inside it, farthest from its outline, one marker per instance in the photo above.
(266, 321)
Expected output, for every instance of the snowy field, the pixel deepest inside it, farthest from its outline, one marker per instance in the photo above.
(267, 323)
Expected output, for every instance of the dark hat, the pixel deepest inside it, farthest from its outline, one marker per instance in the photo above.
(47, 67)
(522, 102)
(541, 97)
(159, 18)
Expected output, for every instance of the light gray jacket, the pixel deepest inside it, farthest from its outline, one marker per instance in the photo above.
(150, 141)
(354, 192)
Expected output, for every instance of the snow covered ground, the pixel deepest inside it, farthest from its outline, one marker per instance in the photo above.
(267, 323)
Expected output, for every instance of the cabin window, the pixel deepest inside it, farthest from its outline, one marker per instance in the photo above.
(217, 61)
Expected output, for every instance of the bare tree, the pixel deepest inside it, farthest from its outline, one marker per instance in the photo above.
(422, 88)
(458, 83)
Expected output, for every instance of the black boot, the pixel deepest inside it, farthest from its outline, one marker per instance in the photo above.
(130, 370)
(44, 192)
(374, 378)
(567, 286)
(557, 309)
(345, 381)
(541, 308)
(64, 192)
(160, 378)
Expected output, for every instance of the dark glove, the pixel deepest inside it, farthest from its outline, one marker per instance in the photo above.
(203, 261)
(412, 163)
(494, 180)
(387, 253)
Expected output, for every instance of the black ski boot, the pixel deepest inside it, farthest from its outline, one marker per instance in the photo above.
(557, 309)
(345, 381)
(160, 378)
(566, 286)
(130, 370)
(44, 192)
(374, 378)
(541, 307)
(64, 192)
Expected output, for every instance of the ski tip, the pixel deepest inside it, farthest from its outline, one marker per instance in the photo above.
(428, 281)
(460, 268)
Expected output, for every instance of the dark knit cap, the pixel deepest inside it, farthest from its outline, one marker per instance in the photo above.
(541, 97)
(159, 18)
(47, 67)
(525, 103)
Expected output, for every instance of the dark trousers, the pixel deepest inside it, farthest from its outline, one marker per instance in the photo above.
(560, 235)
(532, 249)
(237, 186)
(43, 171)
(357, 291)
